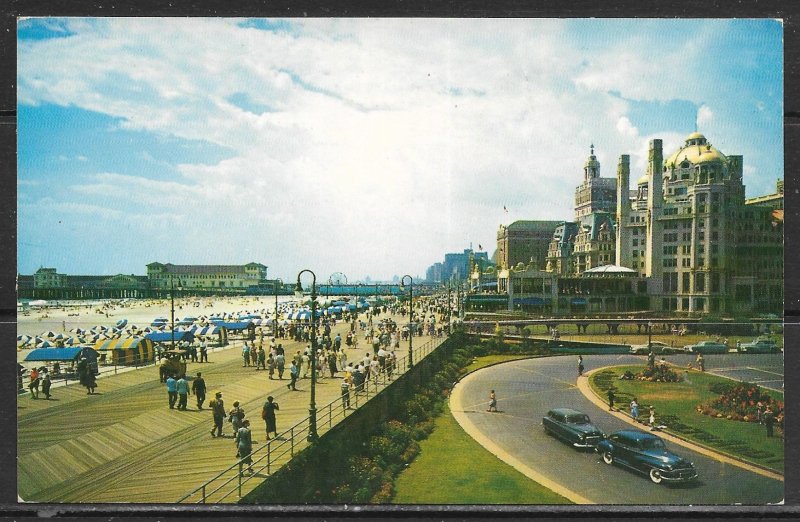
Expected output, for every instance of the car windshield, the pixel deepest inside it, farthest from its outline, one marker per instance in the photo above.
(578, 419)
(652, 443)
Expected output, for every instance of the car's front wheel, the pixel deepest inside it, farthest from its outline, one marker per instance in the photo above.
(655, 475)
(608, 458)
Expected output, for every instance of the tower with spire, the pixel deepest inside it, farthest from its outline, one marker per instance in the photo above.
(594, 194)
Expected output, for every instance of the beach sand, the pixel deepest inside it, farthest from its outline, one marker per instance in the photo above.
(139, 312)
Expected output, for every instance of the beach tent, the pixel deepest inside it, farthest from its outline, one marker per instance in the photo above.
(133, 350)
(166, 337)
(243, 328)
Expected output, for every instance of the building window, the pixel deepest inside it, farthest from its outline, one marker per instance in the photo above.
(700, 282)
(685, 286)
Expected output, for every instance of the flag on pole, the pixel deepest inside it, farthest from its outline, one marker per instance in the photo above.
(505, 209)
(480, 247)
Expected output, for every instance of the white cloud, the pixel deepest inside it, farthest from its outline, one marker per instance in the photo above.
(704, 116)
(388, 141)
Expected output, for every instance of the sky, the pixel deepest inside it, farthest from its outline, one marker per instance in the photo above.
(368, 147)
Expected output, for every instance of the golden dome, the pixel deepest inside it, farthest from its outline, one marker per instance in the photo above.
(696, 150)
(644, 180)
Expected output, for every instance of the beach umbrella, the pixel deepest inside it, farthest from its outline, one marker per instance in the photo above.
(95, 337)
(70, 341)
(60, 336)
(82, 340)
(49, 334)
(45, 344)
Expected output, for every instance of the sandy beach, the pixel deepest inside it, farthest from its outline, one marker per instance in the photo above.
(139, 312)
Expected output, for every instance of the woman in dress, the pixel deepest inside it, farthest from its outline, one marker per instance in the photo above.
(268, 414)
(244, 445)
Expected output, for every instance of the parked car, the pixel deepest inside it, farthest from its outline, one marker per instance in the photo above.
(645, 453)
(760, 345)
(572, 426)
(707, 347)
(657, 346)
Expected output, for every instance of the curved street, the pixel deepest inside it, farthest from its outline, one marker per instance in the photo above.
(527, 389)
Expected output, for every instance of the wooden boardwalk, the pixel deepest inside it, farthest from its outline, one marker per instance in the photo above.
(124, 444)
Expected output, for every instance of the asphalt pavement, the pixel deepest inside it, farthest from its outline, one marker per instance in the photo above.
(527, 389)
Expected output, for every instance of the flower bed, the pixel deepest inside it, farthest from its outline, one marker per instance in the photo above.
(739, 402)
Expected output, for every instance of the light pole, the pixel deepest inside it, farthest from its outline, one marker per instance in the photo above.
(312, 407)
(172, 307)
(449, 309)
(275, 287)
(410, 317)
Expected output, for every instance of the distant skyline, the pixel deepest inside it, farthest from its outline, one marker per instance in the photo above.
(370, 147)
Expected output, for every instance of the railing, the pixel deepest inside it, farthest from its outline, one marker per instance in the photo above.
(280, 450)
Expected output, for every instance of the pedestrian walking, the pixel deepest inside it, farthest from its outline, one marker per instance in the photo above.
(244, 445)
(245, 355)
(652, 418)
(271, 365)
(236, 416)
(294, 373)
(611, 398)
(254, 356)
(280, 362)
(492, 401)
(34, 384)
(580, 365)
(635, 410)
(199, 390)
(218, 412)
(769, 421)
(268, 414)
(345, 393)
(172, 391)
(701, 362)
(182, 387)
(760, 412)
(46, 385)
(203, 351)
(262, 358)
(332, 363)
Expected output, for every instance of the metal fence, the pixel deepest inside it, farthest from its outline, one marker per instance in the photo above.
(278, 451)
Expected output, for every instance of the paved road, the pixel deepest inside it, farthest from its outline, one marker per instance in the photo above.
(528, 388)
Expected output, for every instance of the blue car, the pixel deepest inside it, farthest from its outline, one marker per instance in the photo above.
(645, 453)
(572, 426)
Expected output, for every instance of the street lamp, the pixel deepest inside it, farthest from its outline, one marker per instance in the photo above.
(312, 407)
(449, 309)
(275, 287)
(172, 306)
(410, 316)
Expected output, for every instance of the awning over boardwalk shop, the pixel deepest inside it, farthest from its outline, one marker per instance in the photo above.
(60, 354)
(133, 350)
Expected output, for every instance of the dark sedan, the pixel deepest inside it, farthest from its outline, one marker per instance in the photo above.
(572, 426)
(646, 453)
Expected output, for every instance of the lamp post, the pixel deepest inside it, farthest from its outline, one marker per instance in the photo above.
(449, 309)
(275, 287)
(172, 307)
(410, 317)
(312, 407)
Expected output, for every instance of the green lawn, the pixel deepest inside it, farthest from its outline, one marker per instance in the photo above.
(675, 406)
(454, 469)
(488, 360)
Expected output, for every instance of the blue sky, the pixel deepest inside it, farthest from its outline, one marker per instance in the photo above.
(362, 146)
